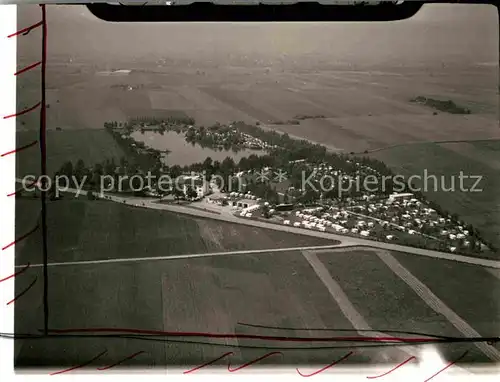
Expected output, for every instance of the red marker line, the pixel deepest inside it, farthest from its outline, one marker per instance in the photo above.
(15, 274)
(15, 192)
(23, 292)
(446, 367)
(21, 238)
(19, 190)
(26, 30)
(20, 148)
(242, 336)
(82, 365)
(28, 68)
(326, 367)
(123, 360)
(23, 112)
(209, 363)
(252, 362)
(390, 371)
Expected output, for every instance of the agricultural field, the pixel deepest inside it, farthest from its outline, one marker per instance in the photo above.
(27, 213)
(81, 230)
(487, 147)
(272, 294)
(363, 109)
(92, 146)
(387, 301)
(115, 295)
(195, 295)
(471, 291)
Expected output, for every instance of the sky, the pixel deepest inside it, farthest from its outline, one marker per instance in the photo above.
(453, 33)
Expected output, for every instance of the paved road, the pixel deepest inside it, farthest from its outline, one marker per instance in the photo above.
(194, 255)
(345, 240)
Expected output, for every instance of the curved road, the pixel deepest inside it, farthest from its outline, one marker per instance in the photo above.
(345, 241)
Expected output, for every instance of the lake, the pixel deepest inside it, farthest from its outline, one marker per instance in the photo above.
(183, 153)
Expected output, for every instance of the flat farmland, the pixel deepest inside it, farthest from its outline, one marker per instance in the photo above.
(490, 147)
(210, 295)
(27, 216)
(383, 131)
(364, 109)
(267, 295)
(197, 295)
(89, 106)
(88, 99)
(205, 109)
(27, 97)
(470, 291)
(27, 213)
(489, 158)
(80, 230)
(120, 296)
(224, 293)
(388, 303)
(92, 146)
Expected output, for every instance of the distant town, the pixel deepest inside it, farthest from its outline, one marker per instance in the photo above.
(270, 185)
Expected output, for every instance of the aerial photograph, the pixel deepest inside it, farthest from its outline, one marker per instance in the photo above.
(248, 195)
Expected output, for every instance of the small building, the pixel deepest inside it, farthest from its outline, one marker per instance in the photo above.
(198, 185)
(395, 196)
(200, 190)
(219, 200)
(239, 204)
(243, 203)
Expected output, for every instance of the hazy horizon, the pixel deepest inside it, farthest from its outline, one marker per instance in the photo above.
(454, 34)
